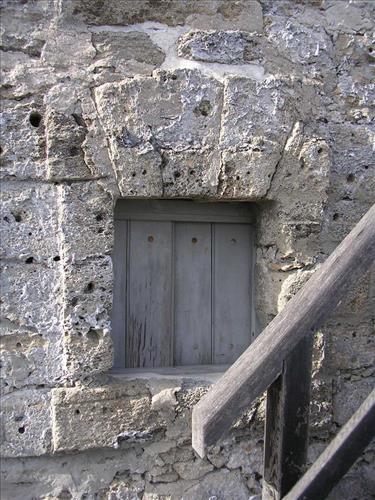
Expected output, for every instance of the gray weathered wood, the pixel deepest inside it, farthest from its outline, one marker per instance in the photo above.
(119, 292)
(148, 326)
(339, 455)
(192, 300)
(261, 363)
(287, 423)
(232, 286)
(183, 210)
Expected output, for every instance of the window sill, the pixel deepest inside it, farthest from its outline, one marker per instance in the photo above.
(209, 373)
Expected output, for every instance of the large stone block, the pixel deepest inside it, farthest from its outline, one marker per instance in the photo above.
(60, 50)
(248, 174)
(243, 15)
(257, 111)
(26, 423)
(29, 223)
(224, 47)
(174, 111)
(23, 143)
(23, 76)
(87, 309)
(64, 137)
(30, 296)
(191, 173)
(87, 221)
(90, 418)
(126, 53)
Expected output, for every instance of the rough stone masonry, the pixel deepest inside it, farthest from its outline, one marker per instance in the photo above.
(264, 101)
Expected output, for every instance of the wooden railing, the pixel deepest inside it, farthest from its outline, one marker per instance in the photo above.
(280, 360)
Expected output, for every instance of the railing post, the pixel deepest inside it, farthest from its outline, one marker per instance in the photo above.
(287, 423)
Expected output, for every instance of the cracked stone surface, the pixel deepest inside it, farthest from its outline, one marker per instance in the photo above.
(266, 102)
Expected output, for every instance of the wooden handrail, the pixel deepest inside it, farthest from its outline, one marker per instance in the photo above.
(262, 362)
(339, 455)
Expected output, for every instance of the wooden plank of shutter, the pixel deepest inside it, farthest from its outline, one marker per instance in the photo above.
(232, 291)
(119, 294)
(149, 329)
(192, 343)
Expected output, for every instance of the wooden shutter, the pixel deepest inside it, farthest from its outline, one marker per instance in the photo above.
(183, 283)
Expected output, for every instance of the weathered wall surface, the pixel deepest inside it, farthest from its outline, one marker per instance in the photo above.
(268, 102)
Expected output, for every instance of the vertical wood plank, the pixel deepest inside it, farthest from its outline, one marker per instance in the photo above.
(192, 339)
(119, 294)
(149, 328)
(232, 291)
(287, 423)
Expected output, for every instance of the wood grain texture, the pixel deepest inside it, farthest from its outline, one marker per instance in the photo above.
(232, 285)
(287, 423)
(149, 318)
(339, 455)
(192, 300)
(119, 293)
(262, 362)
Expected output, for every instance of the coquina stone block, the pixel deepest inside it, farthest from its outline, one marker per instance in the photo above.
(87, 221)
(29, 358)
(87, 320)
(29, 223)
(23, 142)
(244, 15)
(224, 47)
(26, 423)
(126, 53)
(89, 418)
(64, 138)
(33, 302)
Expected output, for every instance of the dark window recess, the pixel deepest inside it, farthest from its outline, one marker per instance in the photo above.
(183, 283)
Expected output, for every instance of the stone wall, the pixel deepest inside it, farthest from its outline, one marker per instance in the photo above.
(267, 102)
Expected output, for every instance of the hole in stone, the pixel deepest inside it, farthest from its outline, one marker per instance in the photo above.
(18, 344)
(238, 178)
(371, 50)
(365, 167)
(100, 230)
(17, 217)
(335, 216)
(77, 412)
(144, 172)
(177, 174)
(194, 240)
(320, 150)
(93, 335)
(350, 178)
(150, 239)
(29, 234)
(354, 334)
(57, 258)
(35, 118)
(134, 174)
(99, 217)
(204, 108)
(29, 260)
(79, 120)
(174, 77)
(89, 287)
(192, 172)
(21, 430)
(6, 218)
